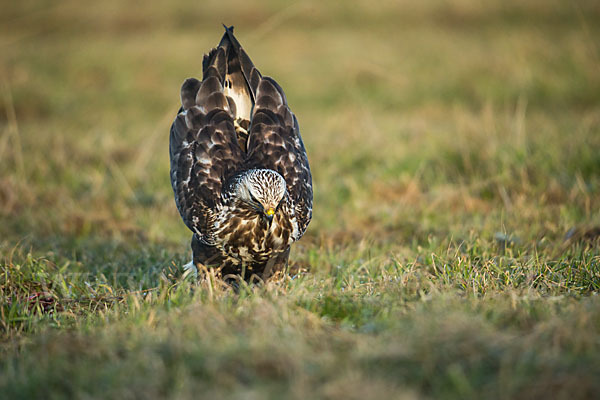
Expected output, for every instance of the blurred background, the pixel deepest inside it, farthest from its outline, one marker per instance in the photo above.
(421, 119)
(454, 249)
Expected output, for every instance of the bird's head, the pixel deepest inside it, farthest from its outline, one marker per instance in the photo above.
(262, 190)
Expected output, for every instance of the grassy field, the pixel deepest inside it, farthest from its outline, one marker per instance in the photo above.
(454, 250)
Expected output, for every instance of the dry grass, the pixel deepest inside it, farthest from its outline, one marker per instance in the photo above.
(454, 249)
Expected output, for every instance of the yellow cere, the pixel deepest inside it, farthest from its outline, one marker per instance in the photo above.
(270, 212)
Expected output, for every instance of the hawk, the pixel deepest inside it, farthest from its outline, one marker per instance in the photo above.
(239, 169)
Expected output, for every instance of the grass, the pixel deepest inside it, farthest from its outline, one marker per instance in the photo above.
(454, 249)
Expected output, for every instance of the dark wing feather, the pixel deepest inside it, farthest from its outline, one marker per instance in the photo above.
(275, 143)
(204, 152)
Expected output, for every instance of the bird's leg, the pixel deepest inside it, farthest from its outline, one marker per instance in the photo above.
(243, 272)
(276, 264)
(267, 272)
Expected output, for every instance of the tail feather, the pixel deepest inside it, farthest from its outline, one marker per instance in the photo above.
(215, 63)
(236, 72)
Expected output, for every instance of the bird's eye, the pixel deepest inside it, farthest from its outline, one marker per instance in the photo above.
(253, 198)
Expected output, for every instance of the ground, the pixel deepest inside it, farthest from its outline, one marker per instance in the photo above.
(453, 253)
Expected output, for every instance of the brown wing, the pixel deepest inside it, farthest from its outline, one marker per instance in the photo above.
(210, 136)
(275, 143)
(204, 152)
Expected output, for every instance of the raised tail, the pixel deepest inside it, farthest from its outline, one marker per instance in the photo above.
(229, 63)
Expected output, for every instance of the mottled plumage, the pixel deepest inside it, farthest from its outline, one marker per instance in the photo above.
(239, 169)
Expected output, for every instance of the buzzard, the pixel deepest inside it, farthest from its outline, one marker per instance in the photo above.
(239, 169)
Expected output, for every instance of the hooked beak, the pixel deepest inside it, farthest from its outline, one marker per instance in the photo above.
(269, 214)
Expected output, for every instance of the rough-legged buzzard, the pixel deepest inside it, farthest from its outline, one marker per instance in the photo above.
(239, 169)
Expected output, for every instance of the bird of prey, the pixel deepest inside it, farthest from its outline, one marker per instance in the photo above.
(239, 169)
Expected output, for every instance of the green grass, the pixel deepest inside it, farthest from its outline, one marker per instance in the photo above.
(454, 251)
